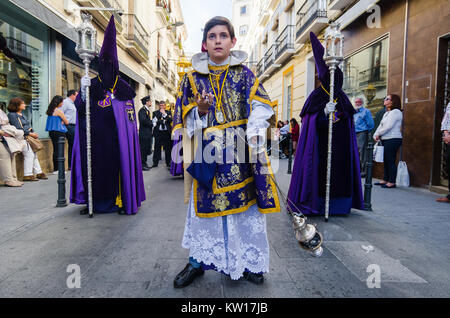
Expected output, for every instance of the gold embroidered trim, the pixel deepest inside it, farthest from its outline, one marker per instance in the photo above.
(223, 213)
(276, 199)
(240, 185)
(186, 109)
(192, 82)
(225, 126)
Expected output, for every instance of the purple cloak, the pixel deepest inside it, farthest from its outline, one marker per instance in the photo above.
(307, 187)
(176, 166)
(116, 157)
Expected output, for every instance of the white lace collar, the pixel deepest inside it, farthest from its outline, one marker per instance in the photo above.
(200, 60)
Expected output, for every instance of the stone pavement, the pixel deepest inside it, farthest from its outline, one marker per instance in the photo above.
(407, 236)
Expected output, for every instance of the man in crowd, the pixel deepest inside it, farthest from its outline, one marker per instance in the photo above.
(162, 129)
(70, 111)
(145, 131)
(363, 125)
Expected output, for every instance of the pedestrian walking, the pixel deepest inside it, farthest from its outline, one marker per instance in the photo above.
(145, 131)
(162, 130)
(226, 225)
(32, 168)
(445, 128)
(389, 132)
(56, 126)
(70, 111)
(363, 125)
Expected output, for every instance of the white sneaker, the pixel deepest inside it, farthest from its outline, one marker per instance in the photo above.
(55, 172)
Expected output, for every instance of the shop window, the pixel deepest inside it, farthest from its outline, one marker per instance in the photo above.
(24, 73)
(365, 74)
(72, 73)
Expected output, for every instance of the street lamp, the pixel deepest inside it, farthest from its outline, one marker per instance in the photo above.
(87, 50)
(334, 55)
(370, 93)
(174, 25)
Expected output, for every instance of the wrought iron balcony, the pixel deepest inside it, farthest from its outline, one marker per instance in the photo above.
(260, 67)
(21, 49)
(137, 37)
(285, 43)
(162, 67)
(163, 10)
(173, 79)
(269, 57)
(311, 18)
(102, 17)
(339, 4)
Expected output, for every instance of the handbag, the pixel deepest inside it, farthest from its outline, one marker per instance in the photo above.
(378, 152)
(35, 144)
(402, 175)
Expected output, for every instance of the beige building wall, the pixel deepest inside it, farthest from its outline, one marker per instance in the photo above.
(298, 70)
(145, 14)
(142, 64)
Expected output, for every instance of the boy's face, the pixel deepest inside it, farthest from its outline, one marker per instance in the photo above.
(219, 43)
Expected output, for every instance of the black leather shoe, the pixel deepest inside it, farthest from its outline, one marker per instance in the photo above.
(257, 279)
(385, 186)
(379, 183)
(155, 166)
(145, 168)
(187, 276)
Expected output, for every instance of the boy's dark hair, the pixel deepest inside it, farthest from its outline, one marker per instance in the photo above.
(71, 92)
(218, 21)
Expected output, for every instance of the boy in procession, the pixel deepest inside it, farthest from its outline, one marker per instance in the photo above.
(225, 226)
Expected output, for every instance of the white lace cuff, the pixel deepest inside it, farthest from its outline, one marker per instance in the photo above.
(258, 123)
(195, 122)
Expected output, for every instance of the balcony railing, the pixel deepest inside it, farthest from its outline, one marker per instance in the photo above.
(113, 4)
(269, 57)
(372, 75)
(173, 79)
(307, 15)
(136, 32)
(260, 67)
(162, 67)
(285, 41)
(163, 9)
(103, 16)
(20, 48)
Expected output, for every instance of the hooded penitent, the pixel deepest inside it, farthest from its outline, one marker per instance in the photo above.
(117, 179)
(308, 183)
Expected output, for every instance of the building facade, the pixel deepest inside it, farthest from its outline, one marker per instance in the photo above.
(41, 34)
(391, 47)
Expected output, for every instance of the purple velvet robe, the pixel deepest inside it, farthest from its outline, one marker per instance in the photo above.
(115, 155)
(308, 182)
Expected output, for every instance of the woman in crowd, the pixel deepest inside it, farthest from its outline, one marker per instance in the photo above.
(7, 159)
(278, 136)
(17, 118)
(295, 133)
(390, 133)
(56, 125)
